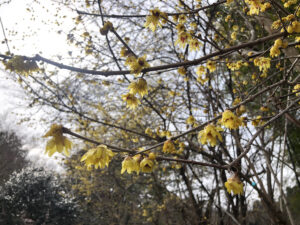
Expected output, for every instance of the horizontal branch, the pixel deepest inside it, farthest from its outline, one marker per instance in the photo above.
(154, 68)
(144, 15)
(159, 158)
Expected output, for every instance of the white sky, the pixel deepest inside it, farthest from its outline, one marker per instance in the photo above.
(28, 35)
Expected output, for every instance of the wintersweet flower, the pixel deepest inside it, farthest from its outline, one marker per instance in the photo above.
(201, 70)
(257, 6)
(230, 120)
(202, 80)
(296, 89)
(210, 134)
(147, 165)
(182, 18)
(211, 66)
(180, 28)
(139, 87)
(234, 184)
(182, 71)
(169, 147)
(194, 44)
(98, 157)
(137, 65)
(274, 51)
(131, 100)
(263, 63)
(191, 120)
(183, 39)
(294, 27)
(130, 164)
(21, 65)
(58, 143)
(153, 20)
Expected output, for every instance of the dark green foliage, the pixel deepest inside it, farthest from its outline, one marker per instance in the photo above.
(36, 195)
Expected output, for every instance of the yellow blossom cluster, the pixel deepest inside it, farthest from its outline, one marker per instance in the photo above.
(183, 39)
(288, 3)
(274, 51)
(131, 164)
(230, 120)
(258, 121)
(257, 6)
(131, 100)
(139, 87)
(234, 184)
(190, 120)
(169, 147)
(21, 65)
(235, 65)
(201, 70)
(211, 66)
(58, 143)
(108, 26)
(294, 27)
(182, 71)
(98, 157)
(278, 23)
(136, 164)
(136, 65)
(156, 18)
(210, 134)
(296, 89)
(263, 64)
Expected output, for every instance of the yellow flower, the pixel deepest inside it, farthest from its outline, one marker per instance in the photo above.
(131, 100)
(98, 157)
(211, 65)
(139, 87)
(294, 27)
(235, 65)
(124, 52)
(258, 121)
(274, 51)
(58, 143)
(147, 165)
(233, 35)
(182, 18)
(263, 63)
(152, 156)
(202, 80)
(182, 71)
(137, 65)
(183, 39)
(236, 101)
(235, 27)
(210, 134)
(234, 184)
(191, 120)
(264, 109)
(297, 89)
(148, 131)
(130, 164)
(230, 120)
(200, 70)
(169, 147)
(153, 20)
(180, 28)
(21, 65)
(289, 3)
(194, 44)
(257, 6)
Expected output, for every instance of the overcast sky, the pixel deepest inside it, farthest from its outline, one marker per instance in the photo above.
(28, 35)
